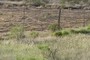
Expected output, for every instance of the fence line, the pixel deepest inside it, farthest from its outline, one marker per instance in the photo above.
(39, 19)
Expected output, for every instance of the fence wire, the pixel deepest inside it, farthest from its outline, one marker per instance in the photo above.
(39, 19)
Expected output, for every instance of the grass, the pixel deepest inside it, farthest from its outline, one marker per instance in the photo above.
(71, 47)
(66, 44)
(74, 47)
(64, 32)
(19, 52)
(34, 34)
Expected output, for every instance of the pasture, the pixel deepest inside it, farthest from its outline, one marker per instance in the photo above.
(71, 47)
(32, 34)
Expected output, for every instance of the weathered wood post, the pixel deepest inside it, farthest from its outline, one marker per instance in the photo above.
(59, 18)
(84, 23)
(23, 21)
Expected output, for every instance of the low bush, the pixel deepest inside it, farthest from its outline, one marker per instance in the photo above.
(83, 31)
(57, 33)
(17, 32)
(39, 2)
(72, 31)
(34, 34)
(88, 27)
(53, 27)
(61, 33)
(1, 13)
(65, 32)
(75, 31)
(43, 47)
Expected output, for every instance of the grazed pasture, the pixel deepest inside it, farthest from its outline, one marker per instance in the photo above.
(39, 19)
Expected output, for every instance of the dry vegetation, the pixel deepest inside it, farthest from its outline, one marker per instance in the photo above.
(33, 21)
(72, 47)
(72, 44)
(29, 33)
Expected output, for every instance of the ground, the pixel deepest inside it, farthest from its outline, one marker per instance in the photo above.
(39, 19)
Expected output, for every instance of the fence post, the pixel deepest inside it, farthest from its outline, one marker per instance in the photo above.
(59, 18)
(23, 17)
(84, 24)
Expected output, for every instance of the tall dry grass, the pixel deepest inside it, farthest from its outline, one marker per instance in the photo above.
(71, 47)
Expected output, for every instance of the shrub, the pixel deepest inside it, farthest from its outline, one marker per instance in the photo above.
(1, 13)
(53, 27)
(88, 27)
(65, 32)
(83, 31)
(57, 33)
(61, 33)
(34, 34)
(17, 32)
(74, 31)
(39, 2)
(43, 47)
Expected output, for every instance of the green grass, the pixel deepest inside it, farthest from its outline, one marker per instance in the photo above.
(71, 47)
(61, 33)
(34, 34)
(64, 32)
(74, 45)
(19, 52)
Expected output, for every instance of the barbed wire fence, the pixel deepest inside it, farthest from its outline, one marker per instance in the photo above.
(40, 18)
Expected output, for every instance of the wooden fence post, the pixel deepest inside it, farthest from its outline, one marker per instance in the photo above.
(59, 18)
(84, 24)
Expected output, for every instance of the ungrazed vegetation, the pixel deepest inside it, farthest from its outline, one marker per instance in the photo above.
(72, 47)
(65, 44)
